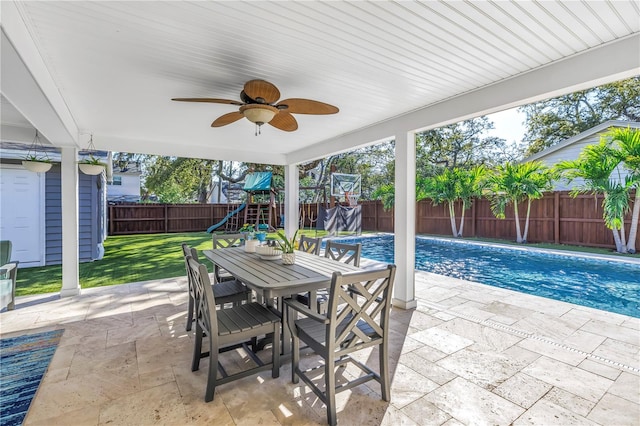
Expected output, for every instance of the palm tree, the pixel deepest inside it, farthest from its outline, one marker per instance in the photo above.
(386, 193)
(512, 184)
(595, 166)
(627, 142)
(450, 186)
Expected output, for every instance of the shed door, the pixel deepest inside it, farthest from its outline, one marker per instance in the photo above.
(22, 213)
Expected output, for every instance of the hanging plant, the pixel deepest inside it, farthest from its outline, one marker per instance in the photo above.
(91, 165)
(37, 160)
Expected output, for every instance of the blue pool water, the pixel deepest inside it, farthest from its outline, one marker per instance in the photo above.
(607, 285)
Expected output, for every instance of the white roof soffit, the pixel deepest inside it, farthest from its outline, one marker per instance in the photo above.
(26, 83)
(111, 68)
(597, 66)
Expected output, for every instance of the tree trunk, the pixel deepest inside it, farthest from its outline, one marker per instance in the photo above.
(452, 216)
(515, 213)
(623, 236)
(616, 238)
(526, 222)
(635, 218)
(461, 223)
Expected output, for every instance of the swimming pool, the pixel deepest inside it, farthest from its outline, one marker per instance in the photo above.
(601, 284)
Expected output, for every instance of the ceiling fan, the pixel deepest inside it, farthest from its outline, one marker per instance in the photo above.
(259, 106)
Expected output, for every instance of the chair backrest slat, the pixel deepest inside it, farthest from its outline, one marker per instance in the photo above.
(346, 253)
(310, 245)
(222, 241)
(226, 240)
(206, 309)
(359, 305)
(193, 252)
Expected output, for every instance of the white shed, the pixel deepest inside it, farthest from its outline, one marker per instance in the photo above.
(571, 148)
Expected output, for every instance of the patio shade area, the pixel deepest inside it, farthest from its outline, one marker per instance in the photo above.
(469, 354)
(392, 69)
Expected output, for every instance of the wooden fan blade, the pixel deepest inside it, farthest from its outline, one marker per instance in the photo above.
(284, 121)
(262, 91)
(229, 118)
(306, 106)
(208, 100)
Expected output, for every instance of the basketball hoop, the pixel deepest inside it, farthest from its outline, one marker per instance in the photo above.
(351, 198)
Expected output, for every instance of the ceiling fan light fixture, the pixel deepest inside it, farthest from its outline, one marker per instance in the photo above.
(259, 114)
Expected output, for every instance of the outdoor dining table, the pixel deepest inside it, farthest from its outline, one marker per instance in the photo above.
(274, 280)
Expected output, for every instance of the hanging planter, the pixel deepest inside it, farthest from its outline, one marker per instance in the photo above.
(37, 160)
(91, 169)
(36, 166)
(91, 165)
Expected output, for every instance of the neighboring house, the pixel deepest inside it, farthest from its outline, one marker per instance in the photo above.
(31, 210)
(571, 148)
(125, 184)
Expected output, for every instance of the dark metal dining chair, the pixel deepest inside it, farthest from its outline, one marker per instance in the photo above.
(227, 329)
(357, 318)
(225, 292)
(221, 241)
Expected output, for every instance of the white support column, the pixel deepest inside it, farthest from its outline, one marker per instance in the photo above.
(70, 219)
(291, 190)
(405, 220)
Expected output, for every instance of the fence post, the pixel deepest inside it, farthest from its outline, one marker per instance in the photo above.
(375, 215)
(110, 220)
(473, 216)
(166, 219)
(556, 217)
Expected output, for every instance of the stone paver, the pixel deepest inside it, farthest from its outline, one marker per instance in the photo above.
(469, 354)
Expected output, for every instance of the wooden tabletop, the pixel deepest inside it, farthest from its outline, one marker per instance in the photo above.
(273, 278)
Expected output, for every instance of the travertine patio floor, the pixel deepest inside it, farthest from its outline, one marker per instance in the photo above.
(469, 354)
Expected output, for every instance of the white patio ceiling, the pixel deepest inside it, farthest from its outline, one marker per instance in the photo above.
(111, 68)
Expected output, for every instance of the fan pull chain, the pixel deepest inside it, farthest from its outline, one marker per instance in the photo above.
(258, 129)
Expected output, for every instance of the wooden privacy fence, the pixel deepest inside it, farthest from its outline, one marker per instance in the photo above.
(162, 218)
(556, 218)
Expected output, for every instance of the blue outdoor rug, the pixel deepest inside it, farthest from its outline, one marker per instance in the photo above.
(23, 362)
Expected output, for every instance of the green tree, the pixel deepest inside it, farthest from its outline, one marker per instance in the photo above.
(461, 145)
(556, 119)
(592, 172)
(374, 164)
(189, 180)
(451, 186)
(627, 142)
(600, 170)
(386, 193)
(514, 183)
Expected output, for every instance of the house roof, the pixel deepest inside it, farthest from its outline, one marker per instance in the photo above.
(132, 167)
(601, 128)
(110, 69)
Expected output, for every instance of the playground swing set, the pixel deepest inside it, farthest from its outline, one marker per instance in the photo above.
(264, 209)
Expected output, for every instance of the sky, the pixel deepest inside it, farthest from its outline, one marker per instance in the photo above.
(509, 125)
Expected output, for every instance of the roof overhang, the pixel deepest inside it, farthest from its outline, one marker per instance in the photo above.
(37, 81)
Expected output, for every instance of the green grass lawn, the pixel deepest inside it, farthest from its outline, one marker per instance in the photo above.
(127, 259)
(135, 258)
